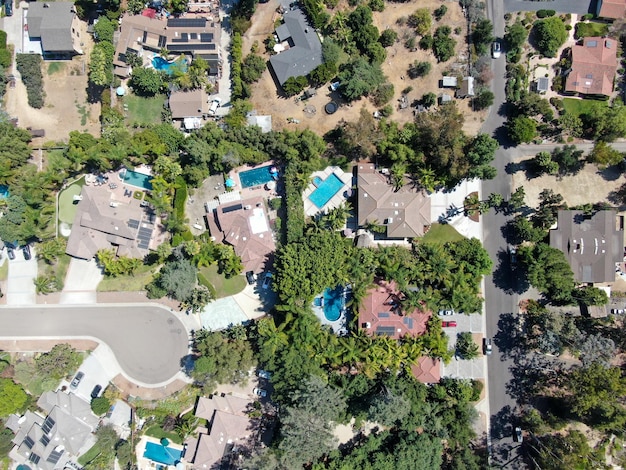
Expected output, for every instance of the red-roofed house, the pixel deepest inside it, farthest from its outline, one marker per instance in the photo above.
(613, 9)
(380, 313)
(245, 226)
(427, 370)
(594, 64)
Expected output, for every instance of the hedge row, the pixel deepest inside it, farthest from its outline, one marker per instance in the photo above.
(241, 91)
(5, 54)
(293, 204)
(29, 66)
(180, 198)
(545, 13)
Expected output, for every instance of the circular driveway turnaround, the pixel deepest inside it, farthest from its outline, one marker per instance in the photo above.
(148, 341)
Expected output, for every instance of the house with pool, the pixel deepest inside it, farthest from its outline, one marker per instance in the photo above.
(404, 212)
(330, 307)
(328, 189)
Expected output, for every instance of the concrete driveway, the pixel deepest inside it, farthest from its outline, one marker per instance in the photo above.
(20, 286)
(99, 368)
(81, 282)
(148, 342)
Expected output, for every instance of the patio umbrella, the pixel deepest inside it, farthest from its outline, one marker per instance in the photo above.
(271, 185)
(120, 91)
(230, 183)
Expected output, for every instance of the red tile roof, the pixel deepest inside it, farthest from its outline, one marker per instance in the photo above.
(427, 370)
(380, 313)
(612, 9)
(594, 65)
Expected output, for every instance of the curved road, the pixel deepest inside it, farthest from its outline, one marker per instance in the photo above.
(149, 342)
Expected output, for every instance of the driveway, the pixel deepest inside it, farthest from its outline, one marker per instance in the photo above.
(81, 282)
(20, 286)
(148, 342)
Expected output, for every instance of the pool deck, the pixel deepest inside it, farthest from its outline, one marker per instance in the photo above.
(337, 200)
(339, 326)
(253, 191)
(142, 462)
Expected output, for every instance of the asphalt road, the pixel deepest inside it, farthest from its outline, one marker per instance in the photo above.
(149, 342)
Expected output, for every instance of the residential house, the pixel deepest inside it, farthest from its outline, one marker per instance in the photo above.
(245, 225)
(467, 88)
(147, 37)
(49, 441)
(228, 426)
(405, 212)
(56, 26)
(427, 370)
(103, 222)
(592, 244)
(611, 9)
(594, 64)
(381, 313)
(190, 107)
(299, 47)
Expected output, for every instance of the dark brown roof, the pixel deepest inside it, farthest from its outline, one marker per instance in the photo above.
(594, 64)
(592, 245)
(405, 212)
(612, 8)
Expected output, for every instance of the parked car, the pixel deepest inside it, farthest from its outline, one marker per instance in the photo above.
(617, 311)
(8, 8)
(250, 277)
(215, 103)
(267, 280)
(76, 380)
(95, 393)
(448, 324)
(496, 50)
(517, 436)
(487, 346)
(10, 252)
(264, 374)
(513, 255)
(26, 252)
(259, 392)
(443, 313)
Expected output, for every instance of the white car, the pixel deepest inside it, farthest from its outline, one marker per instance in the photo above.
(264, 374)
(496, 50)
(259, 392)
(445, 313)
(215, 103)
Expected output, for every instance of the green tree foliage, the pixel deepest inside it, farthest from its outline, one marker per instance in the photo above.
(429, 100)
(147, 81)
(314, 10)
(14, 152)
(480, 153)
(383, 95)
(548, 271)
(100, 405)
(605, 123)
(543, 163)
(360, 78)
(482, 36)
(135, 6)
(440, 12)
(50, 251)
(564, 451)
(571, 124)
(59, 362)
(483, 99)
(443, 44)
(177, 278)
(419, 69)
(589, 295)
(388, 38)
(29, 67)
(323, 73)
(550, 35)
(364, 33)
(101, 64)
(466, 347)
(103, 30)
(522, 129)
(604, 155)
(421, 20)
(569, 159)
(388, 409)
(294, 85)
(117, 265)
(6, 438)
(13, 398)
(252, 69)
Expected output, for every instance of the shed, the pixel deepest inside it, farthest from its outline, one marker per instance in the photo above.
(444, 98)
(542, 84)
(449, 82)
(467, 88)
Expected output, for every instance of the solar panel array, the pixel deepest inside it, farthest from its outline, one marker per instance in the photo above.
(385, 330)
(133, 223)
(45, 440)
(28, 442)
(54, 456)
(408, 321)
(144, 235)
(34, 458)
(48, 424)
(383, 314)
(185, 47)
(186, 22)
(206, 37)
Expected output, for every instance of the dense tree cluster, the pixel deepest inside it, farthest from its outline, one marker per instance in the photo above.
(29, 67)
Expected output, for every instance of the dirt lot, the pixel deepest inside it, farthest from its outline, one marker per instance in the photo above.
(267, 101)
(65, 107)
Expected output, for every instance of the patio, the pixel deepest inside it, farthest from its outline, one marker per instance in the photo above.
(340, 196)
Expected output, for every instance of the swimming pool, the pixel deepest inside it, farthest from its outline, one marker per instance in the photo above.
(334, 303)
(133, 178)
(4, 191)
(326, 190)
(162, 454)
(256, 177)
(159, 63)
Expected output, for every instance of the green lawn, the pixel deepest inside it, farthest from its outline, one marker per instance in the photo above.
(89, 455)
(585, 30)
(442, 233)
(223, 287)
(67, 207)
(144, 110)
(156, 431)
(55, 67)
(132, 283)
(578, 107)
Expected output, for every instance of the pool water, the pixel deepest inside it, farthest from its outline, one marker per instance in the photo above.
(334, 303)
(256, 177)
(162, 454)
(133, 178)
(4, 191)
(159, 63)
(326, 190)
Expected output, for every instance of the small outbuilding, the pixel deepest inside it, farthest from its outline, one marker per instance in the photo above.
(449, 82)
(467, 88)
(542, 85)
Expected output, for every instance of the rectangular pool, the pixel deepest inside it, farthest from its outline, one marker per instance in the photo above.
(256, 177)
(326, 190)
(162, 454)
(139, 180)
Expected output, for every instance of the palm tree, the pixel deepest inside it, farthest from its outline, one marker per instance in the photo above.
(44, 284)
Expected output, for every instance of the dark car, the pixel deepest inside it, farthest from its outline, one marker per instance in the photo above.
(26, 251)
(76, 380)
(8, 8)
(95, 393)
(251, 277)
(10, 252)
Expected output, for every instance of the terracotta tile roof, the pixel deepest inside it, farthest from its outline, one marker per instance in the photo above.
(427, 370)
(405, 212)
(594, 64)
(380, 313)
(612, 9)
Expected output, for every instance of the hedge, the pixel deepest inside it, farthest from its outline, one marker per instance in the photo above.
(29, 66)
(180, 198)
(545, 13)
(293, 204)
(3, 39)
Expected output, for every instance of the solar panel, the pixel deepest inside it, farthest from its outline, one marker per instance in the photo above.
(186, 22)
(133, 223)
(48, 424)
(383, 314)
(235, 207)
(162, 41)
(54, 456)
(34, 458)
(193, 36)
(206, 37)
(187, 47)
(143, 245)
(408, 322)
(28, 442)
(385, 330)
(45, 440)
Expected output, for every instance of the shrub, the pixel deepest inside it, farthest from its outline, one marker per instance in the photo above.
(551, 35)
(3, 39)
(443, 44)
(29, 66)
(100, 405)
(484, 99)
(383, 94)
(5, 58)
(180, 198)
(419, 69)
(426, 42)
(545, 13)
(440, 12)
(388, 37)
(377, 5)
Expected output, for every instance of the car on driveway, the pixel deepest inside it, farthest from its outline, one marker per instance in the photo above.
(517, 435)
(10, 252)
(264, 374)
(617, 311)
(250, 277)
(26, 252)
(259, 392)
(448, 324)
(267, 280)
(487, 348)
(95, 393)
(444, 313)
(496, 50)
(513, 255)
(76, 380)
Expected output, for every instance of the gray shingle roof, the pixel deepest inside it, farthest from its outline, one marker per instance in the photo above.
(52, 22)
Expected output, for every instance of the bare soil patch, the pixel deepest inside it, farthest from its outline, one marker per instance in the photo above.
(266, 99)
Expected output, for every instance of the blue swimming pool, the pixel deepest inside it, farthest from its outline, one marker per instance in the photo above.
(256, 177)
(133, 178)
(326, 190)
(4, 191)
(159, 63)
(334, 303)
(162, 454)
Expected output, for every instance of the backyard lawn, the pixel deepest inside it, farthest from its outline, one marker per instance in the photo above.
(133, 283)
(591, 29)
(55, 67)
(156, 431)
(67, 207)
(223, 287)
(143, 110)
(578, 107)
(442, 233)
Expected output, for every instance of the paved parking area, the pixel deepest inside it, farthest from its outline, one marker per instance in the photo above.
(443, 204)
(20, 286)
(81, 282)
(459, 368)
(99, 368)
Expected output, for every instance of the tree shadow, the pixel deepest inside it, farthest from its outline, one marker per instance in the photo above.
(611, 173)
(531, 373)
(94, 92)
(513, 167)
(509, 278)
(510, 338)
(501, 423)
